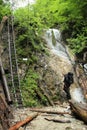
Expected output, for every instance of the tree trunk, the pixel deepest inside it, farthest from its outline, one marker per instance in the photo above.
(49, 112)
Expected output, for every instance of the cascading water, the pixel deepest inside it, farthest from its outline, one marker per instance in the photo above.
(77, 95)
(54, 42)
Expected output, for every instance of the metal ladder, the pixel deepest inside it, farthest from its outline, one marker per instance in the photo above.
(17, 96)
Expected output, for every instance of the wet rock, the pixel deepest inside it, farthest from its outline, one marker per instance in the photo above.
(68, 128)
(21, 128)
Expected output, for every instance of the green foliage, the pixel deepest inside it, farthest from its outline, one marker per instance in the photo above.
(28, 27)
(78, 44)
(29, 87)
(58, 11)
(4, 9)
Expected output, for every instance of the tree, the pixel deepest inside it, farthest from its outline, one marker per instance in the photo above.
(4, 9)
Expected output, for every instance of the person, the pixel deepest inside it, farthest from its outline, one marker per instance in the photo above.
(68, 80)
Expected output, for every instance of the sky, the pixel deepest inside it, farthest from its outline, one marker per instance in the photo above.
(21, 3)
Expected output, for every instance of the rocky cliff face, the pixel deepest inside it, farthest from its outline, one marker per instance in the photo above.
(54, 66)
(52, 69)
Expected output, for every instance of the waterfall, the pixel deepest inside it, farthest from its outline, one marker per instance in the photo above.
(55, 44)
(54, 41)
(77, 95)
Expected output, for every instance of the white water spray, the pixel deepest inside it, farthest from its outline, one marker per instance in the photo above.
(54, 35)
(77, 95)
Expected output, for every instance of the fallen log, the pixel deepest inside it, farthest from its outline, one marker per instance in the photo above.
(21, 123)
(58, 120)
(49, 112)
(79, 109)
